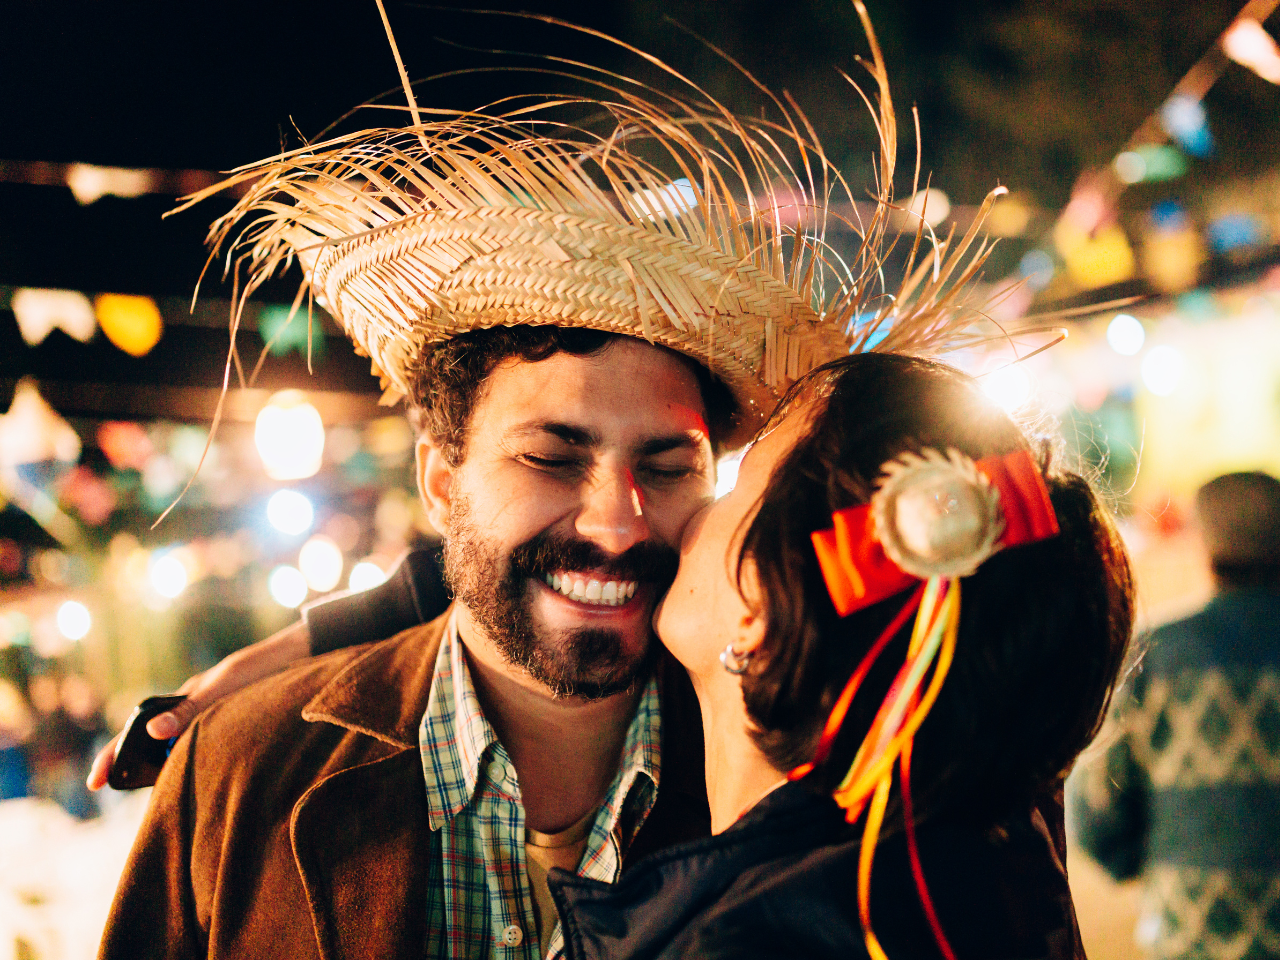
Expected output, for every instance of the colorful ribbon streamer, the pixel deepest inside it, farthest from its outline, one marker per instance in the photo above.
(858, 574)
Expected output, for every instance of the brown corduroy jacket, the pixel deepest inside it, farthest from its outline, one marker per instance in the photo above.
(291, 819)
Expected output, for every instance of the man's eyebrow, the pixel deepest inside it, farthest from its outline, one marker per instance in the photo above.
(657, 445)
(579, 436)
(568, 432)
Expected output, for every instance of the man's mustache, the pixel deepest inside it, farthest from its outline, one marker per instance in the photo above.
(545, 553)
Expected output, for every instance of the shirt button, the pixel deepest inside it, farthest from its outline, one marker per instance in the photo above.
(497, 771)
(512, 936)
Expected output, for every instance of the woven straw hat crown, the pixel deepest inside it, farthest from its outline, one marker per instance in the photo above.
(674, 221)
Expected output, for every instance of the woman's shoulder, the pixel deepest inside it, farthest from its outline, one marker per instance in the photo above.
(997, 894)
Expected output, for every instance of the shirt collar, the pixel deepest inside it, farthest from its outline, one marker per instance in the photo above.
(454, 735)
(641, 752)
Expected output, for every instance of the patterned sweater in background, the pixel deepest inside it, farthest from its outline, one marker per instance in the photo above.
(1187, 795)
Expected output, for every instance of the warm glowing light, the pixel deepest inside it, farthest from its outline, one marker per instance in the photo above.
(1126, 334)
(131, 322)
(727, 474)
(320, 561)
(74, 620)
(88, 183)
(168, 575)
(1248, 44)
(32, 430)
(289, 436)
(38, 312)
(366, 575)
(1131, 167)
(932, 204)
(1009, 217)
(288, 586)
(1162, 370)
(290, 512)
(1009, 386)
(1096, 259)
(675, 198)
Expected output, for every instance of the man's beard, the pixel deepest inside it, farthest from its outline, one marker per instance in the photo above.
(591, 663)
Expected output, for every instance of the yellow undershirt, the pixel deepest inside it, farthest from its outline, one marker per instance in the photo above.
(542, 851)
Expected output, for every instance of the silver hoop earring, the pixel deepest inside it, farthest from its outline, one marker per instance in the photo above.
(734, 662)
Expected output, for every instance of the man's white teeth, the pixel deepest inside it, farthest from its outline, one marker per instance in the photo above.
(610, 593)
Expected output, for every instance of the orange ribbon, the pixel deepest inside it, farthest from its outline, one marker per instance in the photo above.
(856, 569)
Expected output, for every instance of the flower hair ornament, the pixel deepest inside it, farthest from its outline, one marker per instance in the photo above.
(933, 519)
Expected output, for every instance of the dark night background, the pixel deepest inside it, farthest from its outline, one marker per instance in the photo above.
(1015, 92)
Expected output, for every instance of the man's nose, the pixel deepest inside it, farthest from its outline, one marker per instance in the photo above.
(612, 515)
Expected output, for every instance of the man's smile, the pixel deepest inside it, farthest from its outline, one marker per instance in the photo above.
(584, 588)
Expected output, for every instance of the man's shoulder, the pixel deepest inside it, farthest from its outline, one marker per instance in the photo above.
(1232, 629)
(374, 689)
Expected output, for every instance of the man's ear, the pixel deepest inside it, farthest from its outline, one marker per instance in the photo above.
(435, 482)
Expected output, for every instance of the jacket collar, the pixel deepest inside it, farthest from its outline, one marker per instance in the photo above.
(383, 693)
(659, 896)
(359, 834)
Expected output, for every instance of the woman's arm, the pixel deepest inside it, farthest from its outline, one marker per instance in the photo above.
(413, 593)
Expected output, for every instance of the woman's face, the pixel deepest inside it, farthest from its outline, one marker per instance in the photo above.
(703, 611)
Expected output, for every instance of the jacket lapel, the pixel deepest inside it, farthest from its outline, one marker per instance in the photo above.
(360, 835)
(361, 841)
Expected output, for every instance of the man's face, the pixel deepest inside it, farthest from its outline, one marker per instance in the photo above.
(562, 521)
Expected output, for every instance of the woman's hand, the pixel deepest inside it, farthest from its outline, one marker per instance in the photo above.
(238, 670)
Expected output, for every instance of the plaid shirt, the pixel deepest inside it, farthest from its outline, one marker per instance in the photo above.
(481, 904)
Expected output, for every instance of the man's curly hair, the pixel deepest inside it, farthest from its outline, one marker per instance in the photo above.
(447, 379)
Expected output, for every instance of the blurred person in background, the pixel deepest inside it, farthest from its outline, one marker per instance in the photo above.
(69, 728)
(15, 727)
(1188, 795)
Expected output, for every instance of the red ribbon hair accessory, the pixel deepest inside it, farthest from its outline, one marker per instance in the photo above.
(932, 516)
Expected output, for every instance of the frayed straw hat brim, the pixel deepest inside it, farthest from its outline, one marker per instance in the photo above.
(678, 222)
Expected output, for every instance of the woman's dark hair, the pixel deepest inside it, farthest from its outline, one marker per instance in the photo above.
(448, 377)
(1043, 627)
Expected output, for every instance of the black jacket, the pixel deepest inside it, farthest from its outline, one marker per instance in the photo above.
(782, 882)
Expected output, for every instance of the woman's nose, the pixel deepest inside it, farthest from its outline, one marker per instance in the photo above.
(612, 515)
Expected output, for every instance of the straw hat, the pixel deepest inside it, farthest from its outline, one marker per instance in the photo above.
(675, 221)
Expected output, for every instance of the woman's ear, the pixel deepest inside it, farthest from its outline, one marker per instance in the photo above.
(435, 482)
(751, 629)
(752, 623)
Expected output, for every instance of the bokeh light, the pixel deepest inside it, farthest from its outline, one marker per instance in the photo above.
(1248, 43)
(287, 585)
(365, 575)
(289, 436)
(1008, 386)
(1184, 119)
(1126, 334)
(290, 512)
(74, 620)
(931, 204)
(1162, 370)
(1037, 266)
(168, 575)
(131, 322)
(1131, 167)
(727, 474)
(320, 561)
